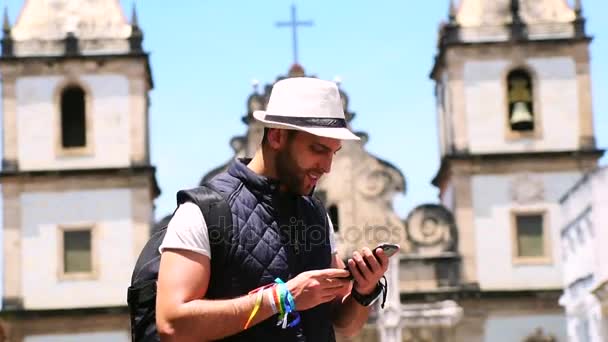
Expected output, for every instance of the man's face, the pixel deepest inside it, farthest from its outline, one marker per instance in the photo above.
(303, 159)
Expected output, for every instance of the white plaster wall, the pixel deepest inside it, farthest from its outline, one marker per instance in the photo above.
(585, 248)
(576, 241)
(38, 123)
(486, 105)
(585, 321)
(586, 253)
(600, 222)
(492, 205)
(596, 320)
(41, 213)
(580, 256)
(584, 315)
(576, 200)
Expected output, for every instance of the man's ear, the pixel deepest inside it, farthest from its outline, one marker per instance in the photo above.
(276, 138)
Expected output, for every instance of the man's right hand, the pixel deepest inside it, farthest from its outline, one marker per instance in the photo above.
(312, 288)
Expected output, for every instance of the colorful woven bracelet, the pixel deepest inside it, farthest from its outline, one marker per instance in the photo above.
(277, 300)
(258, 303)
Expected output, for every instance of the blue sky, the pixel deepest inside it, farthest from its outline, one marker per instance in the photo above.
(204, 55)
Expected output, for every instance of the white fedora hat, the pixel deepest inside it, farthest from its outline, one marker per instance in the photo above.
(306, 104)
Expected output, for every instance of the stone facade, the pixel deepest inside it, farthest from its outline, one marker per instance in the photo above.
(477, 75)
(482, 20)
(499, 267)
(105, 185)
(492, 173)
(100, 27)
(476, 137)
(30, 88)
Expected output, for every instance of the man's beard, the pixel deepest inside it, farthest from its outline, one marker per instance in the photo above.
(289, 173)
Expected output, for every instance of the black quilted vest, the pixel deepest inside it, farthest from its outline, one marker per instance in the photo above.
(274, 234)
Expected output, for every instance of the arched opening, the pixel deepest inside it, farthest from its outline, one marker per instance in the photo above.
(520, 96)
(73, 114)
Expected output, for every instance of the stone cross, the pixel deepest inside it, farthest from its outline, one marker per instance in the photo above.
(294, 23)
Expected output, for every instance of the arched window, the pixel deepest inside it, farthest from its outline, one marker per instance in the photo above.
(520, 96)
(73, 123)
(333, 215)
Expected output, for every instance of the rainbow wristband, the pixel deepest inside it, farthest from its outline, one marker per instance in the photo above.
(296, 319)
(282, 300)
(287, 305)
(288, 295)
(277, 300)
(290, 299)
(284, 293)
(258, 303)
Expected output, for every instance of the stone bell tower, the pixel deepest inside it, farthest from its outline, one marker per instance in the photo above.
(77, 183)
(513, 95)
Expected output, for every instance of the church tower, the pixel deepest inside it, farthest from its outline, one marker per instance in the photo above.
(77, 183)
(514, 113)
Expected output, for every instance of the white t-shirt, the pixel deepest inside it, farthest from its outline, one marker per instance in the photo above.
(188, 230)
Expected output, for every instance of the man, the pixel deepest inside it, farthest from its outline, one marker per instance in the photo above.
(279, 231)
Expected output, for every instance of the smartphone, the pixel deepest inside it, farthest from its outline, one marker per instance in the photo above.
(389, 250)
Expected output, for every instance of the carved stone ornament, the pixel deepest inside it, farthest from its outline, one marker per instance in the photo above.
(527, 189)
(375, 183)
(432, 225)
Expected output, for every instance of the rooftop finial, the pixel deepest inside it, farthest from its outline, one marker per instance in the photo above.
(134, 21)
(338, 80)
(452, 14)
(579, 21)
(6, 25)
(518, 31)
(7, 40)
(578, 8)
(515, 11)
(137, 36)
(255, 84)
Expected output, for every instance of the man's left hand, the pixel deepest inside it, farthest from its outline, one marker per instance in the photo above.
(367, 269)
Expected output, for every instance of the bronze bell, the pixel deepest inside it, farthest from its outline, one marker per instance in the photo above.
(521, 118)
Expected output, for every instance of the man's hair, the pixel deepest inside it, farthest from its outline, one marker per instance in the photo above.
(290, 134)
(265, 136)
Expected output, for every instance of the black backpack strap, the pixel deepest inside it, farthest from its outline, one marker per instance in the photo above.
(218, 218)
(141, 295)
